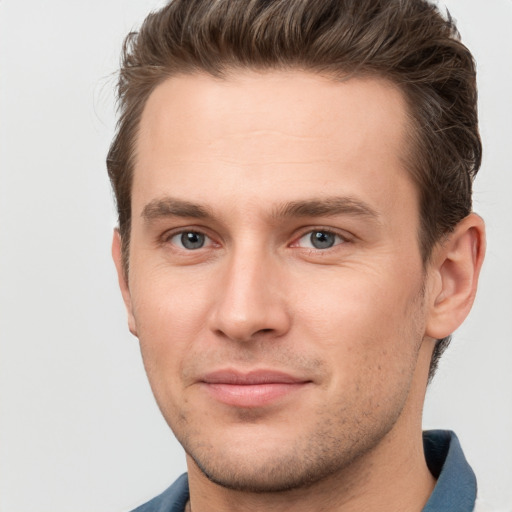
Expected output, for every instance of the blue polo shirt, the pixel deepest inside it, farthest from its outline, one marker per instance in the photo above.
(455, 490)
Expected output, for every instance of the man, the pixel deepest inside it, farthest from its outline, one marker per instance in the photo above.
(296, 246)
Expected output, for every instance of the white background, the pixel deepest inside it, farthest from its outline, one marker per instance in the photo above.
(79, 429)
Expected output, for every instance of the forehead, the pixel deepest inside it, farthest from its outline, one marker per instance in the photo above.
(269, 135)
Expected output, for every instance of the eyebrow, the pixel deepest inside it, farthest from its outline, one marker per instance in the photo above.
(330, 206)
(170, 207)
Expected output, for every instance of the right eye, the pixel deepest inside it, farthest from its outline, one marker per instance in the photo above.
(190, 240)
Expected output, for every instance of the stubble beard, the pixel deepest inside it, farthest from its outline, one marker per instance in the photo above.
(338, 445)
(330, 451)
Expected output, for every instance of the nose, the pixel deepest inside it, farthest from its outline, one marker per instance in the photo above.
(251, 300)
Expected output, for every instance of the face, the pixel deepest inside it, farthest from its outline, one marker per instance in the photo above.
(276, 283)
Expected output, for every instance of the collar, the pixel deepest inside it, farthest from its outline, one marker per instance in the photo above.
(455, 490)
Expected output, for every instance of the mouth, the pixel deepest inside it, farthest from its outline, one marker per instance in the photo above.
(253, 389)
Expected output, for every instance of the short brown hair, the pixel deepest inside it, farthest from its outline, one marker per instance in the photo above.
(406, 41)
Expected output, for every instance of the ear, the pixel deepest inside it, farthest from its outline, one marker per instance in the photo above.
(453, 274)
(123, 279)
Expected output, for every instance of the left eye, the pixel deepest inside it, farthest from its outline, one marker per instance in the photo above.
(190, 240)
(320, 239)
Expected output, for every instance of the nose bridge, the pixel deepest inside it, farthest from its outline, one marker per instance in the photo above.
(250, 299)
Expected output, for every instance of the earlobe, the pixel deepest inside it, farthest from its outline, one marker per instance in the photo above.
(117, 256)
(454, 270)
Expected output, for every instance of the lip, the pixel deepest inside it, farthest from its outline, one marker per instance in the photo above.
(252, 389)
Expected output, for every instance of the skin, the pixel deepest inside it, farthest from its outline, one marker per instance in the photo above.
(247, 162)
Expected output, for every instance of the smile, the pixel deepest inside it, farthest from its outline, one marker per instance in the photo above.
(254, 389)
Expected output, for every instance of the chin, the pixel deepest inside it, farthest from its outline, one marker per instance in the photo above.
(278, 468)
(271, 476)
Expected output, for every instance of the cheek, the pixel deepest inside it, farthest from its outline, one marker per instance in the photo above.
(351, 302)
(369, 328)
(169, 317)
(168, 306)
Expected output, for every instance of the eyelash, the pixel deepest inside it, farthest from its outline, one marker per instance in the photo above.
(340, 239)
(168, 237)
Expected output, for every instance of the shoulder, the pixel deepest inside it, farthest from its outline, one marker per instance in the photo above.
(172, 499)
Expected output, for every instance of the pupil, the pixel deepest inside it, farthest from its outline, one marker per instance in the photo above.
(192, 240)
(322, 240)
